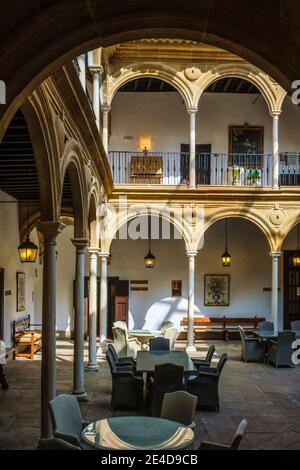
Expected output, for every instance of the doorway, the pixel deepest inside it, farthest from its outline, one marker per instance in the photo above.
(291, 290)
(118, 303)
(203, 163)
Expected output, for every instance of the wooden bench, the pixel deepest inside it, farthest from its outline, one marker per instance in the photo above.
(224, 325)
(24, 336)
(146, 170)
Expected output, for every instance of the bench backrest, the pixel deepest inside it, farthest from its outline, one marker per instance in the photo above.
(223, 321)
(21, 325)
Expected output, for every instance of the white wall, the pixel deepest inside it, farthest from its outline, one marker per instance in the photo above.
(65, 274)
(163, 116)
(9, 260)
(250, 273)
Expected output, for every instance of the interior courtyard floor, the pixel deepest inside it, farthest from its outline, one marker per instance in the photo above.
(267, 397)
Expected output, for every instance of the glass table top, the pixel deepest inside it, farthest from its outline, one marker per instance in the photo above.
(147, 360)
(137, 433)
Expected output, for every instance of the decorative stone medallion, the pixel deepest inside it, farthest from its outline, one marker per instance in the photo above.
(277, 216)
(192, 73)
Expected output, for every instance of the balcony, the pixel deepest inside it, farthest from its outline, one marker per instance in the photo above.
(171, 168)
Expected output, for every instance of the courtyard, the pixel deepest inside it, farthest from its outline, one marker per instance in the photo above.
(267, 397)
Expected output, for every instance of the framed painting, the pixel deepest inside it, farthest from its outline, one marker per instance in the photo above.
(21, 292)
(246, 145)
(216, 290)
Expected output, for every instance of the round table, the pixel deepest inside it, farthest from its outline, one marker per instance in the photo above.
(137, 433)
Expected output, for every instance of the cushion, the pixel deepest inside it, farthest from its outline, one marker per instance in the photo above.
(25, 338)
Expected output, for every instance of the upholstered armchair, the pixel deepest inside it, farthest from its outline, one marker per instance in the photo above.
(66, 420)
(253, 349)
(124, 345)
(207, 361)
(280, 352)
(205, 385)
(235, 443)
(127, 388)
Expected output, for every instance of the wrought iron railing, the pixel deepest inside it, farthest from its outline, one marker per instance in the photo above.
(173, 168)
(290, 169)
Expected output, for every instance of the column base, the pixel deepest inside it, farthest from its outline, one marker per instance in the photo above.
(102, 348)
(191, 349)
(190, 186)
(93, 367)
(81, 396)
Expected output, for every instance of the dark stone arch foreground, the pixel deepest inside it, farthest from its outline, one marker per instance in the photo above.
(35, 41)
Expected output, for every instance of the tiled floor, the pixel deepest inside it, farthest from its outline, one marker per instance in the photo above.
(269, 398)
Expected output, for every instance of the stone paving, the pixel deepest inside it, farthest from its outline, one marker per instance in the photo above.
(268, 397)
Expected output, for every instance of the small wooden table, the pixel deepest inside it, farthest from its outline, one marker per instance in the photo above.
(137, 433)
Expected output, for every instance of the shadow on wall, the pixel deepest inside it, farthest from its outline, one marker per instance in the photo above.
(170, 308)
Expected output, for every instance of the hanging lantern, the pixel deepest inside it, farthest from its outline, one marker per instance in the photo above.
(27, 251)
(149, 260)
(296, 256)
(226, 257)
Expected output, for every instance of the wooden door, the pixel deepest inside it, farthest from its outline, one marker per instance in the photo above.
(121, 301)
(291, 290)
(203, 163)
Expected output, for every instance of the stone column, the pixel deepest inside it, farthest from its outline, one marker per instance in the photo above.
(92, 364)
(96, 93)
(82, 68)
(276, 161)
(78, 366)
(274, 297)
(50, 231)
(105, 110)
(192, 165)
(103, 300)
(191, 301)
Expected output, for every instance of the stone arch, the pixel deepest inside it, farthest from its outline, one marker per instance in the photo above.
(93, 218)
(39, 121)
(293, 222)
(114, 223)
(104, 23)
(248, 215)
(271, 91)
(73, 162)
(148, 69)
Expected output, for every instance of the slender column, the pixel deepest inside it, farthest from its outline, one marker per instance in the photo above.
(96, 93)
(105, 110)
(50, 231)
(191, 301)
(103, 300)
(92, 364)
(276, 150)
(274, 298)
(78, 366)
(82, 67)
(192, 171)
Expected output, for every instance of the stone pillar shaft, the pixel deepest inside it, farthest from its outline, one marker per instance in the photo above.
(274, 297)
(96, 96)
(192, 161)
(105, 130)
(50, 231)
(82, 68)
(78, 370)
(191, 301)
(92, 364)
(276, 151)
(103, 298)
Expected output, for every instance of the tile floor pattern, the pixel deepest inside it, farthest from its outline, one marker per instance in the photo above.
(269, 398)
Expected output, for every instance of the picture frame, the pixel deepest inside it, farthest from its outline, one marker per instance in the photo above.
(246, 141)
(20, 292)
(216, 290)
(176, 287)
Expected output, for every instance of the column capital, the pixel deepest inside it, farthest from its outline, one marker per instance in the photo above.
(275, 254)
(93, 250)
(96, 69)
(105, 108)
(50, 229)
(192, 110)
(276, 114)
(191, 253)
(80, 243)
(103, 254)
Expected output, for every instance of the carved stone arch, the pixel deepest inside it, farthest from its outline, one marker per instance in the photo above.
(113, 223)
(39, 121)
(93, 215)
(248, 215)
(73, 162)
(149, 69)
(272, 92)
(289, 226)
